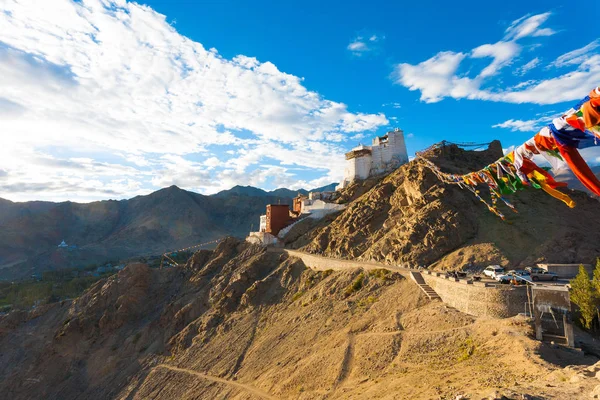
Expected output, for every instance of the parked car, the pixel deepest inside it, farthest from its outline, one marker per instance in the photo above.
(503, 276)
(518, 272)
(540, 274)
(512, 277)
(493, 270)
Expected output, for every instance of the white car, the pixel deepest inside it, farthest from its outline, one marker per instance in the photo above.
(493, 270)
(519, 277)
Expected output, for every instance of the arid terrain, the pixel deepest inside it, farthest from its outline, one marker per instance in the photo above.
(411, 217)
(241, 322)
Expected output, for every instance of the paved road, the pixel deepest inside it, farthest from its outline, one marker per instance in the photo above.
(324, 263)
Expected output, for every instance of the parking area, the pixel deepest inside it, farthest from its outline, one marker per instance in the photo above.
(558, 282)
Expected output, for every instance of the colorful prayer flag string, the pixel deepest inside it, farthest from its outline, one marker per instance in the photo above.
(557, 142)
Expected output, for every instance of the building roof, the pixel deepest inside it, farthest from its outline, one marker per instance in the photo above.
(358, 153)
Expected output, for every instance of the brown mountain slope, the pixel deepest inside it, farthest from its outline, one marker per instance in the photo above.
(411, 217)
(241, 323)
(168, 219)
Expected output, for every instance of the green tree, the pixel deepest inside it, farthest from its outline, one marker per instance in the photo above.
(584, 295)
(596, 278)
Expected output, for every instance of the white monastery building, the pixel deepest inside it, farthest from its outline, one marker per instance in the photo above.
(384, 155)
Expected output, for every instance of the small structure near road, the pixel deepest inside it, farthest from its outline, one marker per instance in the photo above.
(315, 205)
(567, 271)
(552, 314)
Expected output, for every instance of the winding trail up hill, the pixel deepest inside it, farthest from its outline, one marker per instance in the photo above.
(242, 323)
(411, 217)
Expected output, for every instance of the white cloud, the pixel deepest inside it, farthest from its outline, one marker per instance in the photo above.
(393, 105)
(569, 86)
(528, 26)
(101, 78)
(577, 56)
(212, 162)
(524, 84)
(525, 69)
(437, 77)
(358, 46)
(365, 43)
(433, 77)
(532, 125)
(501, 52)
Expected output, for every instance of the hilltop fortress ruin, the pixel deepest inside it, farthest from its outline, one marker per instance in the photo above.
(387, 153)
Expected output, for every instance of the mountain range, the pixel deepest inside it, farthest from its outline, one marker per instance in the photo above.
(96, 232)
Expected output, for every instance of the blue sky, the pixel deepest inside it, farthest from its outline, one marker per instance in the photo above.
(110, 99)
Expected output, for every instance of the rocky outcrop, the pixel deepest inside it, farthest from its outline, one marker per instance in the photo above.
(411, 217)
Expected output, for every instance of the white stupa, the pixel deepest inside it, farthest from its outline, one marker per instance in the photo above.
(63, 244)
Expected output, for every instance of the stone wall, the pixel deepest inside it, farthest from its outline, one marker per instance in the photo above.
(359, 168)
(324, 263)
(479, 299)
(391, 153)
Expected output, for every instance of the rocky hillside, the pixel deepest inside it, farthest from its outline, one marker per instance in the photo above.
(170, 218)
(241, 323)
(411, 217)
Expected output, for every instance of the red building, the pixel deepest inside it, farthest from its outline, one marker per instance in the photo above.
(278, 217)
(298, 203)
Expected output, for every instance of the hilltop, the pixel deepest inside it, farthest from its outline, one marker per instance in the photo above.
(411, 217)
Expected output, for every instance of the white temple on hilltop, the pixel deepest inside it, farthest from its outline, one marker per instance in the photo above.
(384, 155)
(62, 244)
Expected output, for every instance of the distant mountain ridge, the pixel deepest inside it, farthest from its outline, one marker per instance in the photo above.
(282, 192)
(167, 219)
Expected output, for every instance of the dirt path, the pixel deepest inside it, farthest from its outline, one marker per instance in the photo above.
(237, 385)
(348, 361)
(440, 331)
(242, 356)
(391, 333)
(346, 366)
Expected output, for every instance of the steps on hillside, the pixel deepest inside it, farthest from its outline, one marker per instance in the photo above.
(554, 338)
(428, 290)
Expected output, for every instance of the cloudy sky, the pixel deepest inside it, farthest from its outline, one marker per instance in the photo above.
(108, 99)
